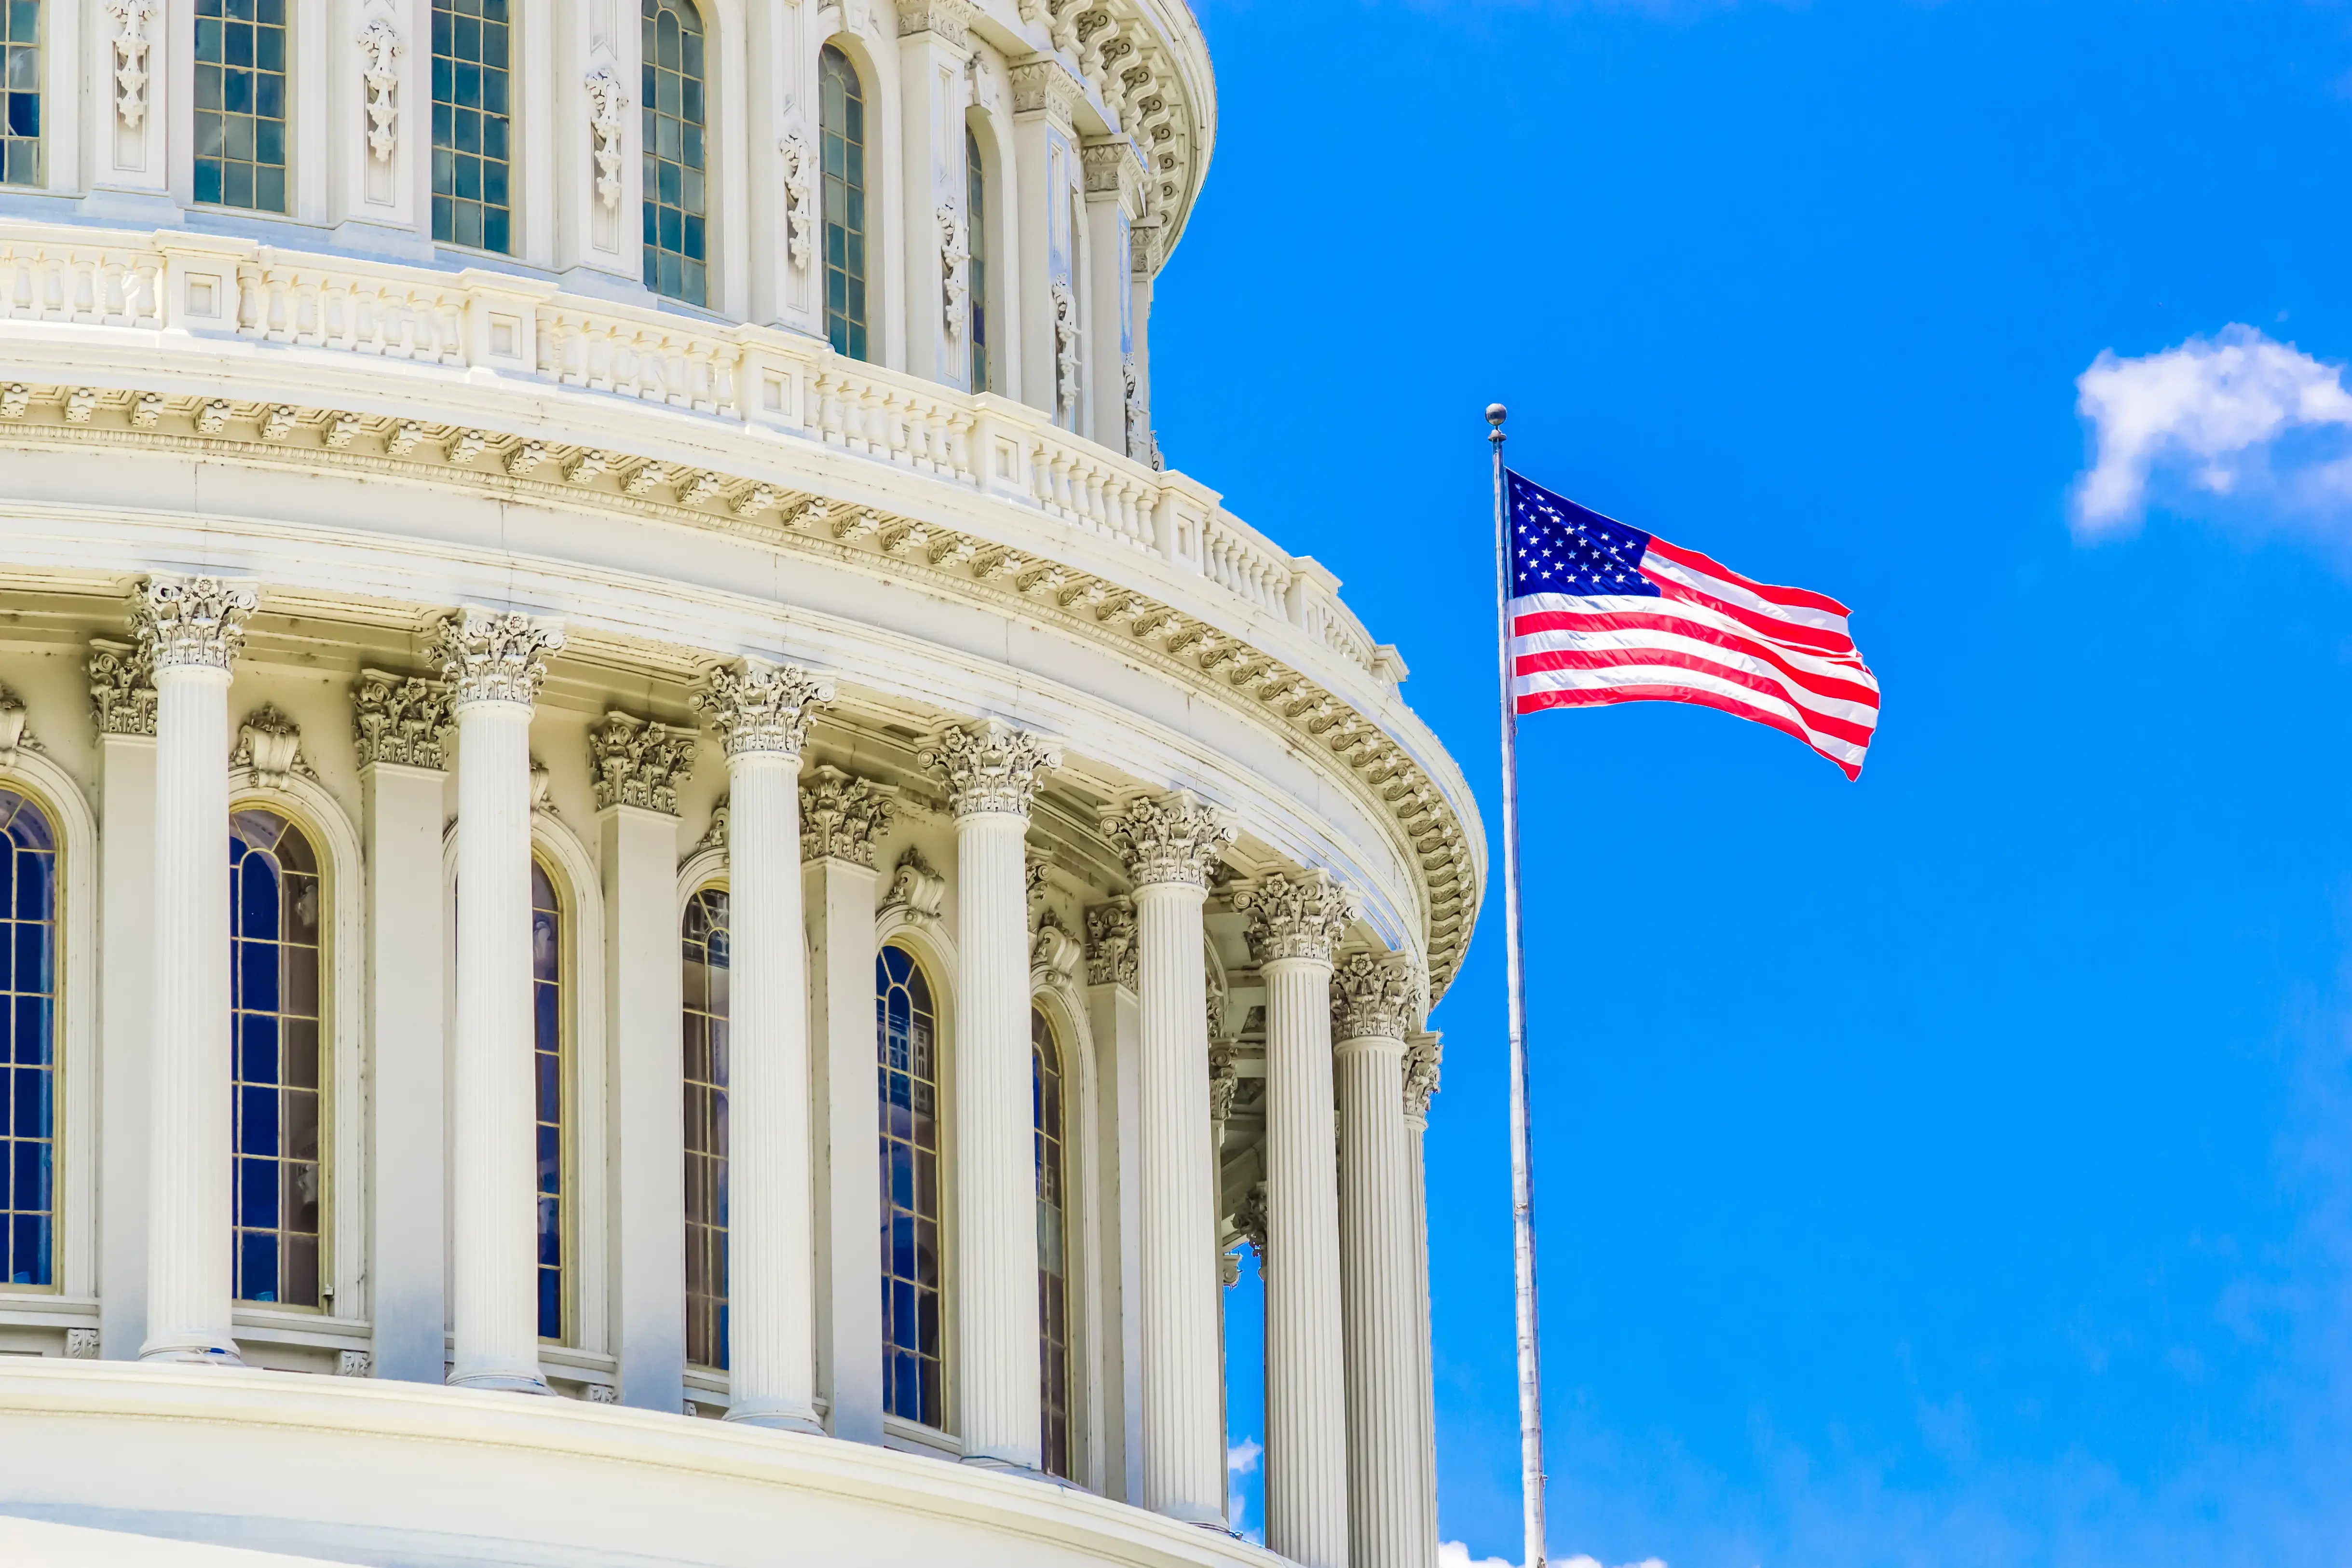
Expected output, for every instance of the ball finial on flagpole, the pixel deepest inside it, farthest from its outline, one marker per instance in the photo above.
(1496, 414)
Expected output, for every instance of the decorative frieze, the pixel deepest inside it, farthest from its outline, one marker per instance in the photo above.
(270, 744)
(634, 762)
(1375, 997)
(380, 54)
(192, 622)
(1424, 1054)
(1110, 944)
(122, 687)
(757, 706)
(990, 766)
(1302, 915)
(495, 656)
(401, 720)
(1168, 838)
(841, 818)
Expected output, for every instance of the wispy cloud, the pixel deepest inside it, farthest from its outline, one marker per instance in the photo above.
(2238, 415)
(1454, 1554)
(1241, 1460)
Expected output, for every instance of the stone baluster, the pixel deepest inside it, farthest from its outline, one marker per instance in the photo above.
(1295, 924)
(1422, 1055)
(494, 661)
(1171, 844)
(1374, 1002)
(991, 771)
(190, 628)
(762, 711)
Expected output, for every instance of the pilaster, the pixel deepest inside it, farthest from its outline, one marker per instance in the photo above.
(1045, 96)
(1115, 1015)
(934, 46)
(122, 695)
(1423, 1053)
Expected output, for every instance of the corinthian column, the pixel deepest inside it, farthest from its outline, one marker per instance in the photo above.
(494, 661)
(762, 711)
(991, 773)
(1170, 844)
(1295, 925)
(1374, 1001)
(1422, 1055)
(189, 626)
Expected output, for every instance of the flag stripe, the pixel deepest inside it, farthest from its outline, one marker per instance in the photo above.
(1558, 629)
(1852, 719)
(1848, 759)
(1788, 598)
(1632, 669)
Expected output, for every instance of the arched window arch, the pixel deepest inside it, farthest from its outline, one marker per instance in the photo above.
(907, 1026)
(703, 943)
(676, 188)
(842, 121)
(1052, 1247)
(276, 909)
(547, 1020)
(29, 960)
(241, 49)
(473, 157)
(975, 207)
(20, 93)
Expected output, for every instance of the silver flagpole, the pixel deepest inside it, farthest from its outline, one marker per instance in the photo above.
(1523, 1172)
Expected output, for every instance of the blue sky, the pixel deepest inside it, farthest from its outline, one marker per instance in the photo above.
(1954, 1167)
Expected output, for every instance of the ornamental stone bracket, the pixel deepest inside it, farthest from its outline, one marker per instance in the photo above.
(990, 766)
(1054, 953)
(842, 816)
(122, 687)
(15, 737)
(402, 719)
(714, 837)
(918, 894)
(637, 762)
(495, 656)
(757, 706)
(1111, 957)
(270, 744)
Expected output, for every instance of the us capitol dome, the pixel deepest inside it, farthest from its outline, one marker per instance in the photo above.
(792, 896)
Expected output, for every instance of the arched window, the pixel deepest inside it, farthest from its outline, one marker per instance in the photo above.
(472, 156)
(240, 116)
(703, 943)
(28, 987)
(677, 241)
(20, 88)
(547, 1090)
(912, 1384)
(1053, 1253)
(975, 206)
(842, 118)
(275, 915)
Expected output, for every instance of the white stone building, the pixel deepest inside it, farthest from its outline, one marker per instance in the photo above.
(641, 519)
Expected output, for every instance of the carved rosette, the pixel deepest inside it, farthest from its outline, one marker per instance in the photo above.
(1424, 1054)
(762, 706)
(1303, 915)
(122, 688)
(1168, 839)
(840, 817)
(191, 622)
(495, 656)
(637, 762)
(1110, 944)
(1375, 997)
(400, 718)
(990, 766)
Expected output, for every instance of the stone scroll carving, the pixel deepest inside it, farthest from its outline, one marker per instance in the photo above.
(955, 259)
(1111, 957)
(122, 688)
(1304, 915)
(1376, 997)
(270, 743)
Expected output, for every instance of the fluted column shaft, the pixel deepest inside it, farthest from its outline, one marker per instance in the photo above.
(1170, 846)
(493, 660)
(191, 627)
(1380, 1320)
(762, 712)
(991, 771)
(1421, 1071)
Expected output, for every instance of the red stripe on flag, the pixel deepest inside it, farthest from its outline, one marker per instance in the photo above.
(1815, 681)
(1587, 697)
(1663, 659)
(1797, 598)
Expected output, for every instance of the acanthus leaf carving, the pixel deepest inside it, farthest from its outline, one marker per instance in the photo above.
(955, 259)
(192, 621)
(638, 763)
(495, 656)
(401, 720)
(1304, 915)
(917, 893)
(990, 766)
(381, 47)
(1167, 839)
(842, 816)
(1423, 1055)
(1111, 957)
(606, 99)
(122, 687)
(799, 228)
(1068, 362)
(1375, 996)
(757, 706)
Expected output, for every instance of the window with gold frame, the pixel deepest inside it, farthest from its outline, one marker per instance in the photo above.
(704, 954)
(1052, 1248)
(28, 1065)
(549, 1101)
(277, 982)
(906, 1027)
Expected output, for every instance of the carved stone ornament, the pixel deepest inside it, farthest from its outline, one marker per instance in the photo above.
(715, 835)
(128, 21)
(13, 736)
(603, 1393)
(954, 257)
(840, 817)
(1111, 957)
(1068, 364)
(543, 789)
(354, 1363)
(1054, 952)
(917, 893)
(122, 688)
(1303, 915)
(762, 706)
(799, 230)
(380, 45)
(270, 743)
(606, 99)
(1047, 85)
(81, 1344)
(1225, 1077)
(1250, 1220)
(400, 718)
(192, 622)
(990, 766)
(949, 18)
(495, 656)
(636, 763)
(1423, 1055)
(1169, 838)
(1375, 997)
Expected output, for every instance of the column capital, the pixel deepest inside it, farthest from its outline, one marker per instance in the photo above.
(760, 707)
(990, 766)
(1302, 914)
(1423, 1053)
(1375, 997)
(840, 817)
(191, 622)
(1110, 944)
(122, 687)
(950, 19)
(495, 656)
(1041, 83)
(1168, 839)
(400, 718)
(634, 762)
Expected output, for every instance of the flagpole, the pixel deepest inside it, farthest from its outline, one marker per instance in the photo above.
(1523, 1197)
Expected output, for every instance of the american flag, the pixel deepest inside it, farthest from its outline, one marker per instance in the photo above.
(1602, 613)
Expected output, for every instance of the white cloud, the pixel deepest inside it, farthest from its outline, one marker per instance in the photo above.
(2238, 413)
(1241, 1458)
(1454, 1554)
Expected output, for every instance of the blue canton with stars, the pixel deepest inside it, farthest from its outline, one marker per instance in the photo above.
(1559, 547)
